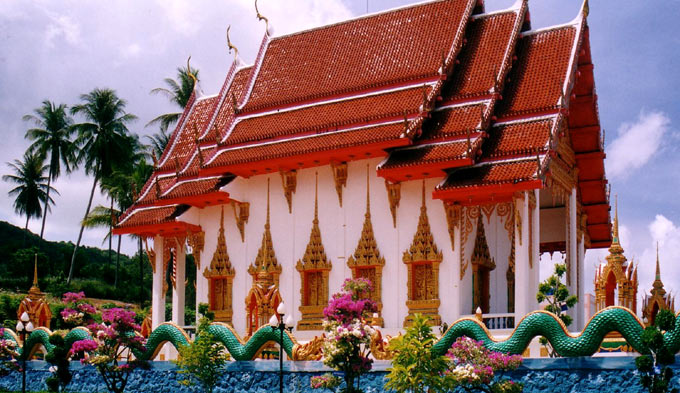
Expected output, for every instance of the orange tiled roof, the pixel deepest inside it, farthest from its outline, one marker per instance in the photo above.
(148, 216)
(378, 50)
(341, 92)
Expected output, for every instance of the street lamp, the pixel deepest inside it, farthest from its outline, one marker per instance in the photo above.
(24, 326)
(280, 324)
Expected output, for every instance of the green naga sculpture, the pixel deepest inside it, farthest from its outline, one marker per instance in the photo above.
(534, 324)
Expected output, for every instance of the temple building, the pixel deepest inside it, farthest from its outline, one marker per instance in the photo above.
(657, 299)
(35, 304)
(436, 149)
(616, 281)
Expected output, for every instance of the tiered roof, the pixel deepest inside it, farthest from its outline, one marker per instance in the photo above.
(441, 89)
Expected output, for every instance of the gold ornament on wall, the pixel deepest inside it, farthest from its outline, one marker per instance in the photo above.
(289, 183)
(196, 241)
(241, 214)
(220, 277)
(453, 214)
(339, 177)
(314, 268)
(422, 260)
(393, 196)
(366, 261)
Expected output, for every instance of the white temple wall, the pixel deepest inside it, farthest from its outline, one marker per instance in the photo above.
(340, 231)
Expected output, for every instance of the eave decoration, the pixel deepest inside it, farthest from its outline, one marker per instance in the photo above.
(241, 214)
(393, 196)
(264, 296)
(422, 260)
(340, 177)
(289, 183)
(220, 277)
(196, 241)
(314, 268)
(366, 261)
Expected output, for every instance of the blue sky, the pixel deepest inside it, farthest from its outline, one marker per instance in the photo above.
(61, 49)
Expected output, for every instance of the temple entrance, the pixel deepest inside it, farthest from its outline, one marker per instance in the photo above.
(480, 288)
(610, 290)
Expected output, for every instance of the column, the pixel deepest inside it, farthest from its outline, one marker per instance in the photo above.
(535, 248)
(572, 255)
(178, 292)
(524, 291)
(582, 318)
(201, 286)
(157, 298)
(457, 305)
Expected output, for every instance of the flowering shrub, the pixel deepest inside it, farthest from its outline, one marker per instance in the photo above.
(77, 312)
(474, 367)
(8, 355)
(348, 335)
(112, 341)
(326, 381)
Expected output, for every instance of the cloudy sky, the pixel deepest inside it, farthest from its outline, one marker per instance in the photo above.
(59, 49)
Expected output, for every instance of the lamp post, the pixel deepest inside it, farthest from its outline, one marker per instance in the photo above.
(280, 324)
(24, 326)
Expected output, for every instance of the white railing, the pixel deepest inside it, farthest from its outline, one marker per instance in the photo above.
(496, 321)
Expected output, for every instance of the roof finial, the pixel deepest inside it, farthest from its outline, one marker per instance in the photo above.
(585, 9)
(262, 17)
(658, 269)
(190, 74)
(615, 233)
(266, 224)
(231, 46)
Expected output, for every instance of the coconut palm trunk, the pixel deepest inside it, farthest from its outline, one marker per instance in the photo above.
(42, 227)
(115, 281)
(82, 227)
(111, 235)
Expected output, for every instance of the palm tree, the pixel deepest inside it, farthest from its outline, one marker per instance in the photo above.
(178, 92)
(52, 141)
(158, 142)
(103, 140)
(32, 187)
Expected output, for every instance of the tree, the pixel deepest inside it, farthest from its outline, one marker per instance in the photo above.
(655, 373)
(558, 299)
(103, 140)
(52, 141)
(157, 143)
(178, 92)
(32, 186)
(203, 360)
(415, 367)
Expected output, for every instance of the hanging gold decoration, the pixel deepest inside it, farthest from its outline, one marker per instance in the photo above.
(340, 177)
(241, 214)
(453, 217)
(196, 241)
(289, 183)
(393, 196)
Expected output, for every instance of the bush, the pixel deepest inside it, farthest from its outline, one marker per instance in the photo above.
(655, 375)
(203, 359)
(415, 367)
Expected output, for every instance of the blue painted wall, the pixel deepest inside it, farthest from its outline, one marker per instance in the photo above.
(539, 375)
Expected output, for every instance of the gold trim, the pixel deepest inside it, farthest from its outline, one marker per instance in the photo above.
(289, 183)
(241, 215)
(196, 241)
(339, 177)
(393, 196)
(220, 278)
(453, 214)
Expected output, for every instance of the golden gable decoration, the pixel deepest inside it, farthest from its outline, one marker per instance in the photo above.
(422, 260)
(366, 262)
(220, 279)
(314, 268)
(264, 296)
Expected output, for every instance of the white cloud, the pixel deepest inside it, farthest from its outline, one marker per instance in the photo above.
(636, 143)
(63, 27)
(130, 51)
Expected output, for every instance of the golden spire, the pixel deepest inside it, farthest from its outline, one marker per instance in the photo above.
(35, 266)
(315, 254)
(231, 46)
(658, 270)
(367, 253)
(266, 261)
(35, 290)
(615, 233)
(658, 284)
(423, 247)
(220, 265)
(615, 250)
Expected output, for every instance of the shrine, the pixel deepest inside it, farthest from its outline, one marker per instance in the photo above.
(436, 149)
(35, 304)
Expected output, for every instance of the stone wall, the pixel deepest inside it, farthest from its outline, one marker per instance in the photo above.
(612, 374)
